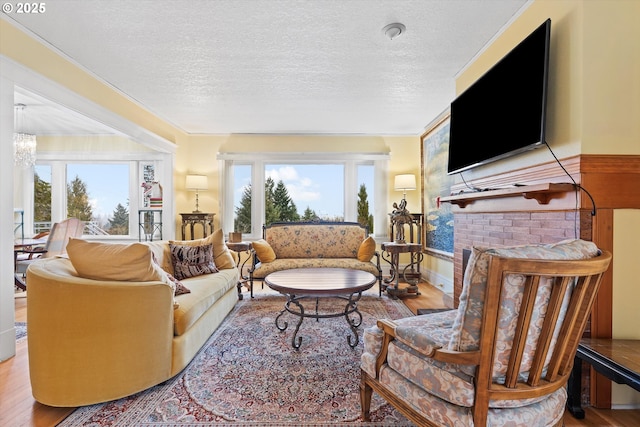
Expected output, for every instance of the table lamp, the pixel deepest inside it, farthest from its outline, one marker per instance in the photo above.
(197, 182)
(405, 182)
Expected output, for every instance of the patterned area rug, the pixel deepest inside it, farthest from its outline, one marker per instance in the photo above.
(248, 374)
(21, 330)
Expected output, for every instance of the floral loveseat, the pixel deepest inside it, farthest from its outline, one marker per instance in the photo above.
(288, 245)
(112, 320)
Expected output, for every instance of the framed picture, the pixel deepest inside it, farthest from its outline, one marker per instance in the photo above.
(438, 219)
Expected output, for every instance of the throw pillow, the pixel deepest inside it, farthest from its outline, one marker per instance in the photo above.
(264, 250)
(192, 261)
(366, 249)
(221, 253)
(160, 250)
(113, 261)
(117, 262)
(179, 287)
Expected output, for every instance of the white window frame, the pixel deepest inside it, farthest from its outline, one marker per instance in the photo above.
(59, 162)
(350, 161)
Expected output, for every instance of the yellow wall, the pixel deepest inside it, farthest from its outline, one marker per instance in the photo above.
(626, 290)
(611, 85)
(101, 143)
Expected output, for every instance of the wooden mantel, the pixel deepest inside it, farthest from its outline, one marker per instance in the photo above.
(543, 193)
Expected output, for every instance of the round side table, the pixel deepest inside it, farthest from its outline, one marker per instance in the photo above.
(391, 253)
(240, 247)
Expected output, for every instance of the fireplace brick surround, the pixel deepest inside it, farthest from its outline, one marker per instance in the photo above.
(513, 228)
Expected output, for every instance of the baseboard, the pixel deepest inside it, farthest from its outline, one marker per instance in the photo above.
(626, 406)
(439, 281)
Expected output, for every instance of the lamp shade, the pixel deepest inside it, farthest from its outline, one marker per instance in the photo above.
(197, 182)
(405, 182)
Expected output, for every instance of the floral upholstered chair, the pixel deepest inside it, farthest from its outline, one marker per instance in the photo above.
(504, 356)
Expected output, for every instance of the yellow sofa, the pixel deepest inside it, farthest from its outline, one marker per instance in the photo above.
(94, 340)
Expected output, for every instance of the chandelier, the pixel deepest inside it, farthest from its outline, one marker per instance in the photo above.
(24, 144)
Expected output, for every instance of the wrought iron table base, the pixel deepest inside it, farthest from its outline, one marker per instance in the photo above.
(294, 307)
(392, 283)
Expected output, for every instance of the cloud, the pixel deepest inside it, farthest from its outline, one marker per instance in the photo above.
(300, 193)
(301, 189)
(284, 174)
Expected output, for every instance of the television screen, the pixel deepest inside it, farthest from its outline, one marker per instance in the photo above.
(504, 112)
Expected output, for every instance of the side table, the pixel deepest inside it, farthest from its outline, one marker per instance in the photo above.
(242, 247)
(616, 359)
(193, 218)
(391, 253)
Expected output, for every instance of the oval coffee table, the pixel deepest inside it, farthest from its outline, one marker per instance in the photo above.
(307, 283)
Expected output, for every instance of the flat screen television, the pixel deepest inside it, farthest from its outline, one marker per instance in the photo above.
(504, 112)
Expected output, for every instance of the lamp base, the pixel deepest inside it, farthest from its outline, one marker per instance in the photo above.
(196, 211)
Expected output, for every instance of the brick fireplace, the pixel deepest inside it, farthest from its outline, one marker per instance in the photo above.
(513, 228)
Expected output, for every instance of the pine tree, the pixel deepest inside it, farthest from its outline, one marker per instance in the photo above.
(271, 212)
(309, 215)
(277, 203)
(78, 205)
(119, 224)
(42, 200)
(284, 205)
(364, 218)
(242, 222)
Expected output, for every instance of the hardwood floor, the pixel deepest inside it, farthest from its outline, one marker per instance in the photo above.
(19, 409)
(17, 406)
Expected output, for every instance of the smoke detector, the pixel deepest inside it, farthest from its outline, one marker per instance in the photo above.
(394, 30)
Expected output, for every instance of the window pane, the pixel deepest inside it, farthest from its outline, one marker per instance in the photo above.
(304, 192)
(99, 195)
(365, 197)
(242, 198)
(42, 198)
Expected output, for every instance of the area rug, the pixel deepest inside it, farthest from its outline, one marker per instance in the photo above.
(21, 330)
(248, 374)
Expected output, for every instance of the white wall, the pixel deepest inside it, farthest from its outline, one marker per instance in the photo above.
(7, 305)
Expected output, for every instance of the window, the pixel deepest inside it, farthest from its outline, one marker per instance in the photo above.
(304, 192)
(366, 196)
(331, 188)
(242, 198)
(98, 194)
(42, 198)
(105, 194)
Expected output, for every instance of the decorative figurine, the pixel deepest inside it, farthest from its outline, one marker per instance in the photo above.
(400, 216)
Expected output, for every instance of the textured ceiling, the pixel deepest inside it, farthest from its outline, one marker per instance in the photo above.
(269, 66)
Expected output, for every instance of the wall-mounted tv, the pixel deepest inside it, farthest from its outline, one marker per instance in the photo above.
(504, 112)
